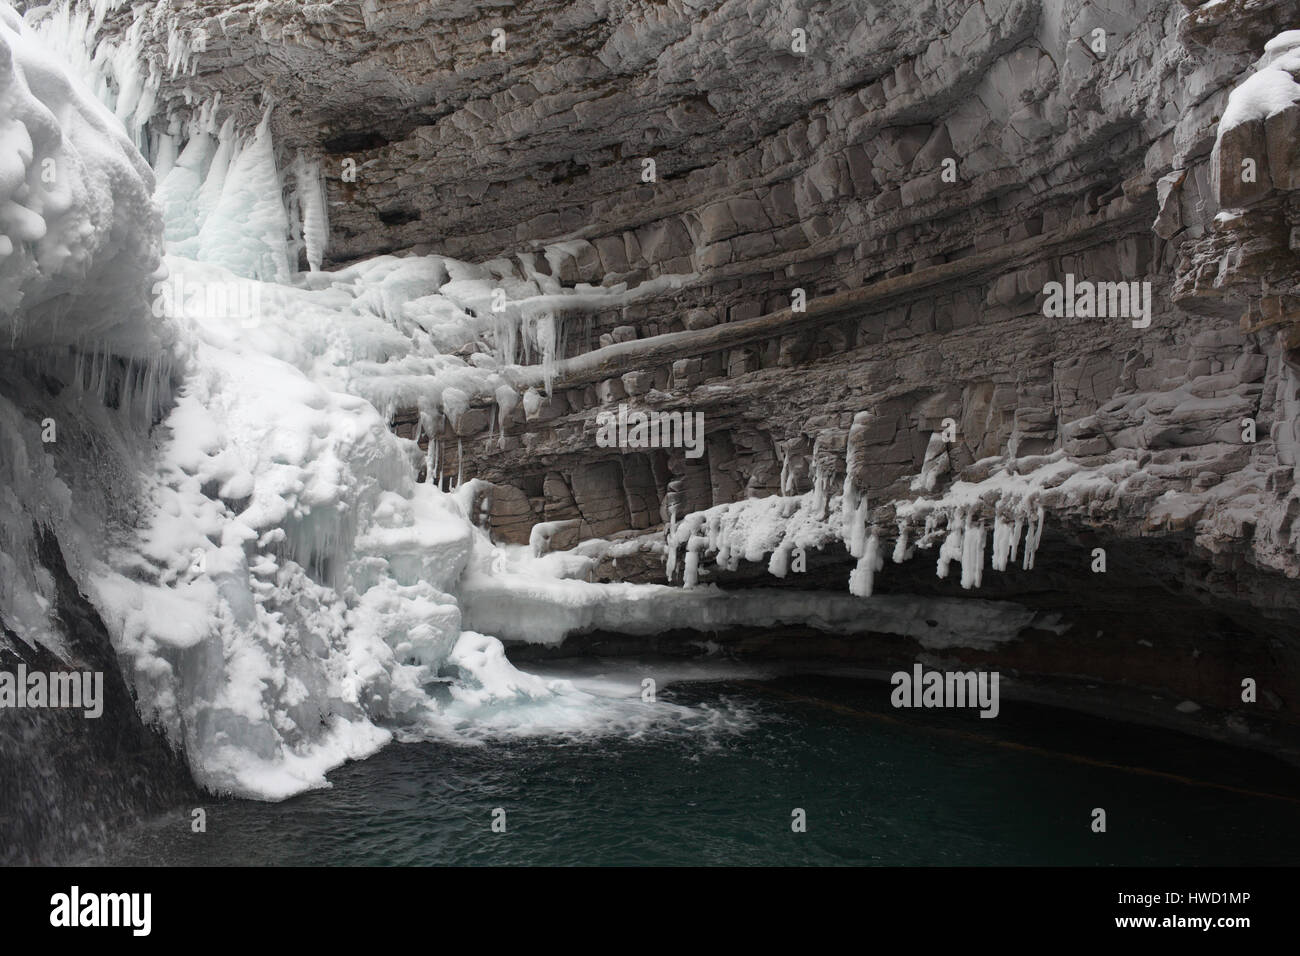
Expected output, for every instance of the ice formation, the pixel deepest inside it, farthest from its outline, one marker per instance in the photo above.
(1010, 502)
(282, 591)
(527, 603)
(310, 197)
(113, 70)
(75, 210)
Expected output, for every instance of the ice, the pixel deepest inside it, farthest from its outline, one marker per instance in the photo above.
(247, 230)
(972, 554)
(113, 70)
(862, 580)
(1012, 501)
(180, 187)
(1005, 537)
(934, 466)
(951, 550)
(310, 196)
(691, 569)
(74, 211)
(525, 602)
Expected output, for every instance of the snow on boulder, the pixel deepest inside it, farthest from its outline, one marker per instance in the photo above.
(1254, 152)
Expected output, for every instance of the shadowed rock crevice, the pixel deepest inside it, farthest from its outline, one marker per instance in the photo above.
(70, 781)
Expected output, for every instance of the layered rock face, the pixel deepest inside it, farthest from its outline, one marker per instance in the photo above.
(844, 248)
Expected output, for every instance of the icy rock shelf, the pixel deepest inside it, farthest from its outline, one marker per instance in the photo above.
(1012, 502)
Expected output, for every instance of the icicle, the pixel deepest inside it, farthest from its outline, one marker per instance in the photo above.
(779, 564)
(1032, 537)
(164, 156)
(691, 571)
(455, 403)
(848, 506)
(951, 549)
(818, 500)
(862, 579)
(711, 530)
(972, 554)
(506, 398)
(850, 498)
(728, 557)
(546, 332)
(315, 215)
(532, 402)
(1004, 542)
(858, 530)
(214, 182)
(900, 546)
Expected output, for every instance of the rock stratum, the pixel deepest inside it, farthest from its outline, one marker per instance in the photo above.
(843, 261)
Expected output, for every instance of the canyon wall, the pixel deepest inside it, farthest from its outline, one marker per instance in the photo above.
(918, 173)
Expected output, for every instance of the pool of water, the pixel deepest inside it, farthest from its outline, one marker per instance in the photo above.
(877, 786)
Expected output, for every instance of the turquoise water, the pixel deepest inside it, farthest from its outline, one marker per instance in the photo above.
(878, 786)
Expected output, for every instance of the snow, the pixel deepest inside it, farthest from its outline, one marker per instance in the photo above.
(1271, 89)
(524, 603)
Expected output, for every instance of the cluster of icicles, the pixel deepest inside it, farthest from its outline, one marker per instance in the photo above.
(218, 174)
(781, 527)
(119, 73)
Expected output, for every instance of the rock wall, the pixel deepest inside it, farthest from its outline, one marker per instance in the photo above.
(72, 783)
(921, 172)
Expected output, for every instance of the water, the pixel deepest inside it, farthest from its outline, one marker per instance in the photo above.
(879, 787)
